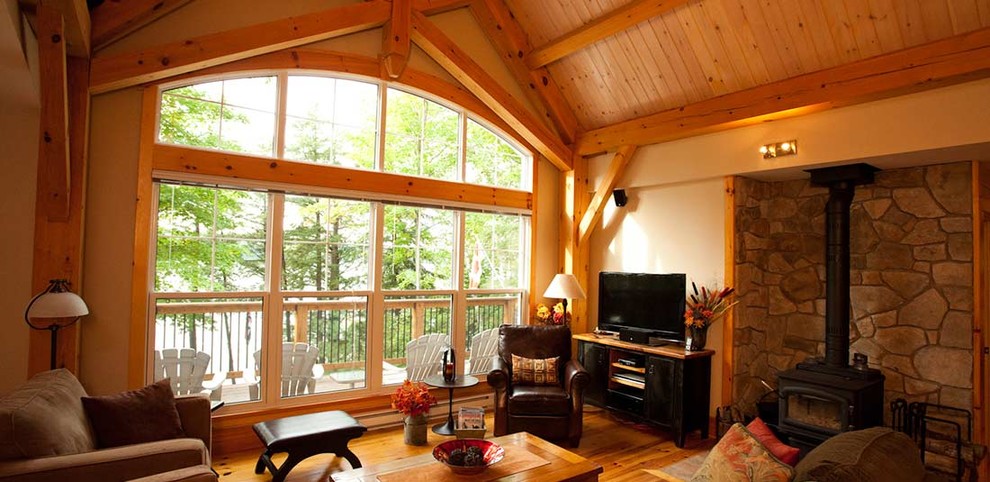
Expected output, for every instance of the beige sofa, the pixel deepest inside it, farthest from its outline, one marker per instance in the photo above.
(45, 436)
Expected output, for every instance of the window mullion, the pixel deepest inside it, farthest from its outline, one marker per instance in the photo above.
(376, 310)
(458, 328)
(280, 109)
(382, 112)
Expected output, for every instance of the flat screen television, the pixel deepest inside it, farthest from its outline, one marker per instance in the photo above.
(650, 302)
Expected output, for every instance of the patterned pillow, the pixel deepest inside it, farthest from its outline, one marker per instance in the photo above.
(739, 457)
(787, 454)
(534, 371)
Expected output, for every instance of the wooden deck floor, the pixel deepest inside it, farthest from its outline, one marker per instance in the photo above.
(627, 451)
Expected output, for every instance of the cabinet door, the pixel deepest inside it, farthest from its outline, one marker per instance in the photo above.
(660, 389)
(594, 358)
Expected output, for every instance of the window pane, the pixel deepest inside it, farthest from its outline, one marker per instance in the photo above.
(324, 344)
(189, 121)
(425, 319)
(421, 137)
(326, 244)
(210, 239)
(485, 313)
(224, 334)
(494, 256)
(332, 121)
(418, 248)
(255, 93)
(492, 161)
(248, 131)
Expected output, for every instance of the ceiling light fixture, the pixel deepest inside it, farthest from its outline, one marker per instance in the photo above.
(777, 149)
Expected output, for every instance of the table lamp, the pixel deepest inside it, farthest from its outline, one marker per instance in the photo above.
(564, 286)
(55, 304)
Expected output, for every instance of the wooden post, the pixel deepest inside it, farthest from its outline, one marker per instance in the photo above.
(730, 280)
(302, 323)
(419, 315)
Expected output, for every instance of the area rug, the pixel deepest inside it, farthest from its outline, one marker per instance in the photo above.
(680, 471)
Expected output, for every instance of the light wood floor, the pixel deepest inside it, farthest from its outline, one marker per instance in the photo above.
(626, 450)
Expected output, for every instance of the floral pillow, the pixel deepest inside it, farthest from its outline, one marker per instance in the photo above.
(535, 371)
(740, 457)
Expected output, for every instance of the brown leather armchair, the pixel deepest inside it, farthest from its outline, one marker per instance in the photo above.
(552, 412)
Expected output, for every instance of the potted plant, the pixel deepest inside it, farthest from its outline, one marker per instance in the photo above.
(413, 399)
(703, 308)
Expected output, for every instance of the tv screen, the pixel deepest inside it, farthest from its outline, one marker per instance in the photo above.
(645, 301)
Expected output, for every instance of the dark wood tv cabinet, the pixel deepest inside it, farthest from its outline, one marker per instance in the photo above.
(667, 386)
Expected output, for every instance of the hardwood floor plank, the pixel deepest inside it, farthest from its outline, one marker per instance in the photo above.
(625, 449)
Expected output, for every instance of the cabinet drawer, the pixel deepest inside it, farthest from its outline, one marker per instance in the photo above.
(626, 402)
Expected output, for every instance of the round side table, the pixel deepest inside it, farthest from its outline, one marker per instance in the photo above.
(462, 381)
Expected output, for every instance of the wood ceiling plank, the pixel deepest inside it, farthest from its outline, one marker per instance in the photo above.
(611, 23)
(938, 20)
(156, 63)
(837, 20)
(863, 28)
(644, 46)
(749, 51)
(115, 19)
(691, 30)
(511, 41)
(911, 22)
(680, 51)
(395, 39)
(603, 192)
(956, 59)
(817, 28)
(965, 15)
(984, 8)
(721, 37)
(801, 39)
(460, 65)
(781, 35)
(751, 14)
(884, 18)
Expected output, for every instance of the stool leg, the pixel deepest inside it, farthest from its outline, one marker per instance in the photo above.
(351, 458)
(290, 462)
(260, 466)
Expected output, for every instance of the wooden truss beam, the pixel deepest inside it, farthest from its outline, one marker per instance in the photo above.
(613, 22)
(433, 7)
(604, 191)
(460, 65)
(53, 150)
(115, 19)
(133, 68)
(395, 40)
(512, 43)
(956, 59)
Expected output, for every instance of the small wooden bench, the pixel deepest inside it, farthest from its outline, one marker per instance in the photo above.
(304, 436)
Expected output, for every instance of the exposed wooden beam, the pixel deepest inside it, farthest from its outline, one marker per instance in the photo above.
(155, 63)
(53, 150)
(512, 43)
(395, 40)
(613, 22)
(115, 19)
(460, 65)
(576, 256)
(433, 7)
(604, 191)
(196, 161)
(76, 23)
(312, 59)
(729, 274)
(956, 59)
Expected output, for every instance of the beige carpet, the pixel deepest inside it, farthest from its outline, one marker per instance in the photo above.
(680, 471)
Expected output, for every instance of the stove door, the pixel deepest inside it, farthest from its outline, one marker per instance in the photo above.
(813, 409)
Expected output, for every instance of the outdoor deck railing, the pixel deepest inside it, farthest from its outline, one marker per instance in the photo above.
(229, 330)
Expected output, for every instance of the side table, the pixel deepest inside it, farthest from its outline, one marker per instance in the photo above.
(462, 381)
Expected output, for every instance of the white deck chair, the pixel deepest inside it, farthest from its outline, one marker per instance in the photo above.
(299, 370)
(186, 368)
(423, 355)
(484, 346)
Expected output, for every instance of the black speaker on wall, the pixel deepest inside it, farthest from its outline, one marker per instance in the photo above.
(620, 197)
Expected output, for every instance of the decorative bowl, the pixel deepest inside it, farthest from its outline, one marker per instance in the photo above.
(490, 453)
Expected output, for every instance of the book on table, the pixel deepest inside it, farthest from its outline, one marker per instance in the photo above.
(470, 418)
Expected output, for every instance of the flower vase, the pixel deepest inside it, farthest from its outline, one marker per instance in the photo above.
(696, 338)
(415, 429)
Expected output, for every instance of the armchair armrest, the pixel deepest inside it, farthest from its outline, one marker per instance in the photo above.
(194, 412)
(498, 378)
(118, 463)
(575, 378)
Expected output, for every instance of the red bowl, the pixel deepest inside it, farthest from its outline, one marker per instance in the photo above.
(490, 453)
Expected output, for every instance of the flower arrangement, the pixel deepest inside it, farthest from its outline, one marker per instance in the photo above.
(413, 399)
(556, 317)
(707, 306)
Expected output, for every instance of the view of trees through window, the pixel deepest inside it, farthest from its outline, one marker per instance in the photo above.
(214, 282)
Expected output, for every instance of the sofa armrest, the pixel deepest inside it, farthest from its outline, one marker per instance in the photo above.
(194, 411)
(118, 463)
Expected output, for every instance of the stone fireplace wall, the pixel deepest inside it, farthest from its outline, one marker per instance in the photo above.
(911, 276)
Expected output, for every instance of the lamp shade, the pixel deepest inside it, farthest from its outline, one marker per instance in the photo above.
(564, 286)
(58, 305)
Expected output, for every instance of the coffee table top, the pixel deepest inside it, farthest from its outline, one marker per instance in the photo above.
(561, 464)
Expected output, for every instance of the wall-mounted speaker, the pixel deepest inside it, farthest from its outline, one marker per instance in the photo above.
(620, 197)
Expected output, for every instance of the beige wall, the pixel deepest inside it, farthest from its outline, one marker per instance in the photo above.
(666, 229)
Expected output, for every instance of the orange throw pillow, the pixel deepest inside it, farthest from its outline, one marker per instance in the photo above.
(785, 453)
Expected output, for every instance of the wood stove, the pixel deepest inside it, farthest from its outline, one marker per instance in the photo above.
(822, 397)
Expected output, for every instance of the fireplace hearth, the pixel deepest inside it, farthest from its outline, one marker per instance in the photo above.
(822, 397)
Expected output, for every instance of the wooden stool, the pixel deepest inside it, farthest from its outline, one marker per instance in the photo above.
(303, 436)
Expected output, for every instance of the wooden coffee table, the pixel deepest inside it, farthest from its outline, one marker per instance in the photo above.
(547, 462)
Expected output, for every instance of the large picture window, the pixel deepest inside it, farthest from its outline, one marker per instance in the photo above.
(282, 294)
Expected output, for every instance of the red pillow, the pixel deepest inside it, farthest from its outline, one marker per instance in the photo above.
(784, 452)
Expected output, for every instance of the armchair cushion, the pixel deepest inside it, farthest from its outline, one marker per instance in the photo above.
(44, 417)
(144, 415)
(539, 400)
(533, 371)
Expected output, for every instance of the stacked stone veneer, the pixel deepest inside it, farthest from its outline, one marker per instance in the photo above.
(911, 258)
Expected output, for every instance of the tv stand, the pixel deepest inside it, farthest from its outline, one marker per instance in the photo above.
(664, 385)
